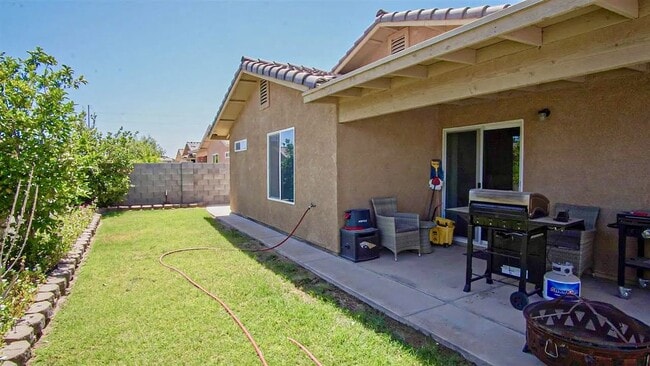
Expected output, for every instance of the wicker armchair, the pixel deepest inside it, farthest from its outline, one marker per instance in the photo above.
(397, 231)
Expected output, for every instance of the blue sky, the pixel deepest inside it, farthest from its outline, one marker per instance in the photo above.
(162, 68)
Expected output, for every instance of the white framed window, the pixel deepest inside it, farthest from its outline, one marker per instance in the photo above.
(264, 94)
(227, 154)
(241, 145)
(215, 158)
(280, 165)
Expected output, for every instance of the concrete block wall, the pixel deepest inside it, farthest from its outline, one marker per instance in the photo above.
(179, 183)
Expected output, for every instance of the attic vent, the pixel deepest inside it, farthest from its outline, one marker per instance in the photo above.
(398, 42)
(264, 94)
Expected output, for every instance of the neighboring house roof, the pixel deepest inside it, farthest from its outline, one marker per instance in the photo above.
(193, 145)
(179, 155)
(206, 142)
(441, 17)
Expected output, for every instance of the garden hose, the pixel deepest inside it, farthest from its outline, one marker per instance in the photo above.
(224, 305)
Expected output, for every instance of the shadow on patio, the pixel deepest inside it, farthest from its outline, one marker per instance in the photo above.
(426, 293)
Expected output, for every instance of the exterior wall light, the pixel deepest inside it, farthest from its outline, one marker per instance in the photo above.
(543, 114)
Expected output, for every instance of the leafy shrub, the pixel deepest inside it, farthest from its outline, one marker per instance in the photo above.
(38, 127)
(17, 296)
(44, 140)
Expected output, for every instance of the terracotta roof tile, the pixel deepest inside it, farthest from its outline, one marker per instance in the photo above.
(302, 75)
(383, 16)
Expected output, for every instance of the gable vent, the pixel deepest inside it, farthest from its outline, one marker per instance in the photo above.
(264, 94)
(397, 44)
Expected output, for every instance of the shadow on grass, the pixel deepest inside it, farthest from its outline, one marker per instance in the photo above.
(105, 212)
(419, 344)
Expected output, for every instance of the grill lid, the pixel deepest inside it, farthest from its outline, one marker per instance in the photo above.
(536, 204)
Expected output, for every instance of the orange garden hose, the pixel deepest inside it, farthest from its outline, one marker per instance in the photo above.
(224, 305)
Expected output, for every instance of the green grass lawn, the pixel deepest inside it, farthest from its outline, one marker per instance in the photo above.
(125, 308)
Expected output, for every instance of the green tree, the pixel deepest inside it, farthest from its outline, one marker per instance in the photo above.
(38, 127)
(147, 150)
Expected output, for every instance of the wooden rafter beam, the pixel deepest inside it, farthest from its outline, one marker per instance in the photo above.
(509, 20)
(626, 8)
(352, 92)
(465, 56)
(577, 79)
(618, 46)
(639, 67)
(529, 89)
(328, 100)
(380, 84)
(417, 72)
(529, 35)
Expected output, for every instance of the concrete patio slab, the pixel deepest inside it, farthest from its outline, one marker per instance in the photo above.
(479, 339)
(426, 293)
(387, 295)
(298, 252)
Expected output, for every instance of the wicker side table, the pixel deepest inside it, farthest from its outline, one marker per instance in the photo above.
(425, 244)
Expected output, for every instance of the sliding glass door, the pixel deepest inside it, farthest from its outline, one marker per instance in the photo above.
(484, 156)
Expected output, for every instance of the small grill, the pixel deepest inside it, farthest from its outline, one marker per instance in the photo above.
(635, 224)
(516, 241)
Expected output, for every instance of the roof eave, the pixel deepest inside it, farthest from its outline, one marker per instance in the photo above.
(501, 23)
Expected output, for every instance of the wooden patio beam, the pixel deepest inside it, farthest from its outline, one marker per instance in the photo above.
(381, 84)
(417, 72)
(626, 8)
(618, 46)
(529, 35)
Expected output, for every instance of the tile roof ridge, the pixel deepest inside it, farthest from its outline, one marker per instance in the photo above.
(441, 14)
(310, 77)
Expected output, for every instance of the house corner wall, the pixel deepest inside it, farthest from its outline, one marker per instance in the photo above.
(315, 165)
(388, 156)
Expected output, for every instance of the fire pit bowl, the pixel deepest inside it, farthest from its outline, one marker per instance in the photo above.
(575, 331)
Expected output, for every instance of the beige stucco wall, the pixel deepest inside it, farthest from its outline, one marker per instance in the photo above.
(217, 147)
(388, 156)
(593, 150)
(315, 165)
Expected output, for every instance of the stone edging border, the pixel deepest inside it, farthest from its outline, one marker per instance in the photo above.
(28, 329)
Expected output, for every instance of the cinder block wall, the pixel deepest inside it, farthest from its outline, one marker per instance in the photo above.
(179, 183)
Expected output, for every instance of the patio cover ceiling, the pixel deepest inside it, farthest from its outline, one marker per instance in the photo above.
(516, 49)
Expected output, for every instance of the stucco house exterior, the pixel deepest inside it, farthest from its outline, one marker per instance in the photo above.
(213, 151)
(547, 96)
(188, 152)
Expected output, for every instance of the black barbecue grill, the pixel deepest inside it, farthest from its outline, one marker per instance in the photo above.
(634, 224)
(516, 245)
(516, 225)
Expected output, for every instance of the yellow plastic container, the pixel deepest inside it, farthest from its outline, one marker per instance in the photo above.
(443, 232)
